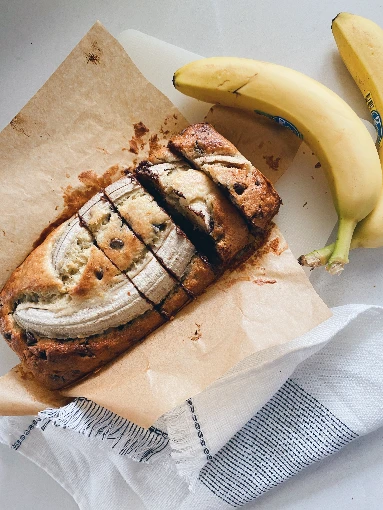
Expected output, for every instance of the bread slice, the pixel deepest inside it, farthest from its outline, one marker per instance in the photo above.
(197, 205)
(160, 235)
(116, 239)
(246, 187)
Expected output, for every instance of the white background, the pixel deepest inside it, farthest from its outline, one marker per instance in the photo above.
(36, 36)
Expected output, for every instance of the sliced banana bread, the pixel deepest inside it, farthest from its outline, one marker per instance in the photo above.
(197, 205)
(116, 239)
(157, 230)
(119, 268)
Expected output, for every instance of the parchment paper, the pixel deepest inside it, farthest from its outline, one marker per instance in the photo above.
(96, 115)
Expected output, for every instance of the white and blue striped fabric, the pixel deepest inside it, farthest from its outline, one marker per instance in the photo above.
(268, 419)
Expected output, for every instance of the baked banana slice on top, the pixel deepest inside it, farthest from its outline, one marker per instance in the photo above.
(160, 235)
(244, 185)
(119, 243)
(208, 218)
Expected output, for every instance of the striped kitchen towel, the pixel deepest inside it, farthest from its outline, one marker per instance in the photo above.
(266, 420)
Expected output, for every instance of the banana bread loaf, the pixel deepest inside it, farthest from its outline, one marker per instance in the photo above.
(123, 265)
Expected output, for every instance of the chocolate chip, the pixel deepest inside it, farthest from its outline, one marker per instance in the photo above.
(239, 188)
(144, 168)
(116, 244)
(99, 273)
(42, 355)
(211, 224)
(160, 227)
(121, 327)
(86, 351)
(31, 339)
(8, 336)
(199, 150)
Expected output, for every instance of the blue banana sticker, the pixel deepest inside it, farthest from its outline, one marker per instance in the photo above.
(377, 120)
(282, 122)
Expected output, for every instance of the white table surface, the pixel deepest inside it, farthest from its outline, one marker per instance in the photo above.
(36, 36)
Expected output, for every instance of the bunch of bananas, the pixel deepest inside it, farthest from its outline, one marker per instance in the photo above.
(320, 117)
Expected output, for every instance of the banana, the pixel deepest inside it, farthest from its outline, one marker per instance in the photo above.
(115, 303)
(120, 305)
(314, 113)
(360, 44)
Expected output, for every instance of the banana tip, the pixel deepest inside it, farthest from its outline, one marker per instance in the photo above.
(309, 260)
(332, 21)
(302, 260)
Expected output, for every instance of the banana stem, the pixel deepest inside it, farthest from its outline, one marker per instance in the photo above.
(339, 256)
(317, 258)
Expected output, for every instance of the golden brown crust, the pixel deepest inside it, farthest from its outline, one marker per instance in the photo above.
(199, 276)
(176, 300)
(200, 140)
(34, 275)
(245, 185)
(57, 364)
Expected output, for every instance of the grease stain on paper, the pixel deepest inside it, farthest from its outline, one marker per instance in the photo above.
(154, 145)
(274, 245)
(137, 141)
(197, 333)
(272, 162)
(94, 56)
(17, 123)
(133, 146)
(259, 280)
(75, 197)
(140, 129)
